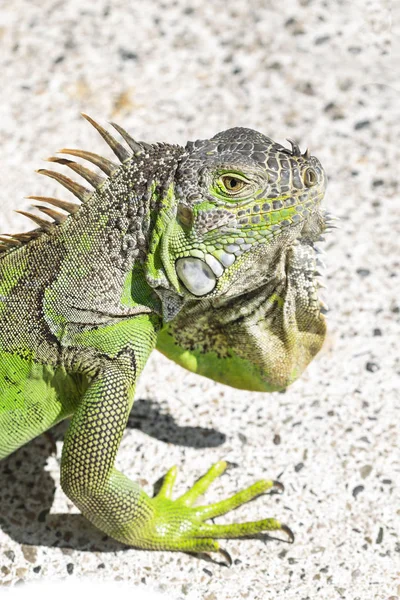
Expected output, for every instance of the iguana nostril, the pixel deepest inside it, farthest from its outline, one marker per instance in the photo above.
(310, 177)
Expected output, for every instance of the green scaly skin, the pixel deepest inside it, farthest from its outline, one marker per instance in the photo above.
(205, 253)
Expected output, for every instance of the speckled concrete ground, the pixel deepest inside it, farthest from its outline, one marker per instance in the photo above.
(322, 72)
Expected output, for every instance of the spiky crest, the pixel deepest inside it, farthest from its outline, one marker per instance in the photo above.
(69, 207)
(50, 212)
(90, 176)
(13, 241)
(118, 149)
(107, 166)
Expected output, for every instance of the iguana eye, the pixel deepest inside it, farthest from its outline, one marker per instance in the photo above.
(232, 184)
(310, 177)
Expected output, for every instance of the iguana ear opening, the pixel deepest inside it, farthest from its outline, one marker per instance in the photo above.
(185, 215)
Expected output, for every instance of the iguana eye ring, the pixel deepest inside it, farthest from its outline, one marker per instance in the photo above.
(232, 184)
(310, 177)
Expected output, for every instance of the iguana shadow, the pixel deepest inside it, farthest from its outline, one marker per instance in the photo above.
(27, 490)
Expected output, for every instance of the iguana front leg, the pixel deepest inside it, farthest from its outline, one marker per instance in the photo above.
(111, 500)
(105, 496)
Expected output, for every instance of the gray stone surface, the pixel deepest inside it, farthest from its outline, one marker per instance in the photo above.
(322, 72)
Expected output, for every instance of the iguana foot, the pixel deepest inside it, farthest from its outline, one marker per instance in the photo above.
(178, 525)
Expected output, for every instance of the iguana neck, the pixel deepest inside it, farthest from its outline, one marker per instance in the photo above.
(160, 222)
(143, 201)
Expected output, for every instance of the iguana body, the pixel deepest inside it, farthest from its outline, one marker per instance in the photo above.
(205, 252)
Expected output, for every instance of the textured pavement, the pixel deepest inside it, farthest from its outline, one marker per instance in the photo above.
(324, 73)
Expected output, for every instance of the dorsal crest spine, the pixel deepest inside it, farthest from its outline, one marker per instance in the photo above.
(10, 242)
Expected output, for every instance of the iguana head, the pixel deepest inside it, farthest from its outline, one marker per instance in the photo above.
(242, 201)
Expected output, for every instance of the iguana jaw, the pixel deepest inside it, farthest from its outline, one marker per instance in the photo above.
(215, 239)
(219, 273)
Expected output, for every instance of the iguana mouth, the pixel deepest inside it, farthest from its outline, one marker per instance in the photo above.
(200, 271)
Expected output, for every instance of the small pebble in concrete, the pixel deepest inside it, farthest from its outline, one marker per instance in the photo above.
(357, 490)
(372, 367)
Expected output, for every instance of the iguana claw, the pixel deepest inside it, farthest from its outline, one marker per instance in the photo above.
(279, 486)
(289, 533)
(228, 559)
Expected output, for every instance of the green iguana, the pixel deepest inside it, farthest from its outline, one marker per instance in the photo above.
(205, 252)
